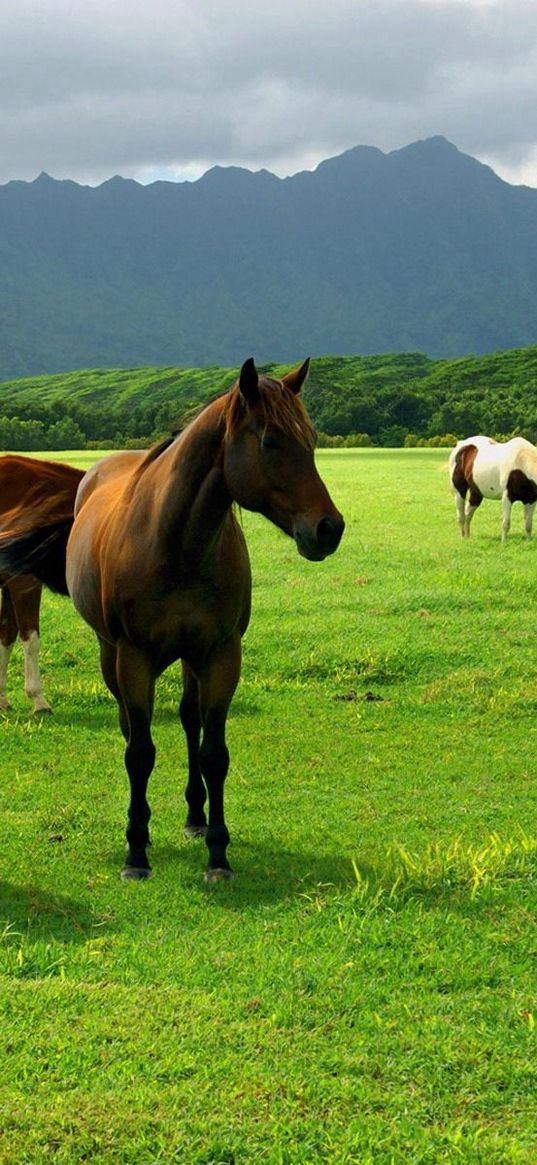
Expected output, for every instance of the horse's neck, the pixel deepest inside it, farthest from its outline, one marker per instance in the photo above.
(194, 498)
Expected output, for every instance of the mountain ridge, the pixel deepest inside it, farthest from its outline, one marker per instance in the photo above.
(430, 147)
(422, 248)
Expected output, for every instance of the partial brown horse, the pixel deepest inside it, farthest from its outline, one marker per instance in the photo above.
(158, 566)
(40, 483)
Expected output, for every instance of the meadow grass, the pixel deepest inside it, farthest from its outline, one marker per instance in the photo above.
(364, 991)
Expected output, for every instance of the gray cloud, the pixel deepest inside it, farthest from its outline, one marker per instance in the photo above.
(170, 87)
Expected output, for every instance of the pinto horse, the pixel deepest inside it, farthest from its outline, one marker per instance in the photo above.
(39, 482)
(503, 470)
(158, 566)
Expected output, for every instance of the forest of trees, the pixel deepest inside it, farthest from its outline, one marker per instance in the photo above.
(391, 400)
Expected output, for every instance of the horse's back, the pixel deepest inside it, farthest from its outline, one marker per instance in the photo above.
(495, 461)
(108, 472)
(105, 510)
(504, 454)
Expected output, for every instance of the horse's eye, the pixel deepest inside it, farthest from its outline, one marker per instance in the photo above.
(269, 442)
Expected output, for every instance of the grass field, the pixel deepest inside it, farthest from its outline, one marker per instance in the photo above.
(365, 990)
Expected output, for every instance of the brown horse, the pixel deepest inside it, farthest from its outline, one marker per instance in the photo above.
(41, 483)
(158, 566)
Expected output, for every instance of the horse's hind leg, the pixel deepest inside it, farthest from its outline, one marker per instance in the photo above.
(136, 685)
(8, 635)
(528, 517)
(218, 681)
(189, 711)
(26, 595)
(109, 670)
(459, 485)
(459, 506)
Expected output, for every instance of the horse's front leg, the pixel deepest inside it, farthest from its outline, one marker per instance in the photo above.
(189, 712)
(218, 681)
(507, 506)
(474, 501)
(136, 685)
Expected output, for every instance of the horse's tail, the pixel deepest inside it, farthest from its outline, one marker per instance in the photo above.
(40, 552)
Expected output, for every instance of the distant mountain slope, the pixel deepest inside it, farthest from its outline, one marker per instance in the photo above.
(420, 249)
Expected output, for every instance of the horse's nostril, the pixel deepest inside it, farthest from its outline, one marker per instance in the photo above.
(324, 530)
(329, 532)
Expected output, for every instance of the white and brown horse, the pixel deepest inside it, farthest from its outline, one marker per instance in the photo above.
(47, 483)
(505, 471)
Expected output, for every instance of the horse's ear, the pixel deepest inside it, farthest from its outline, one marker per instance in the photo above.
(249, 381)
(294, 380)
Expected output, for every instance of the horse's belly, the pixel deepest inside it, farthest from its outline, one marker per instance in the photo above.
(83, 583)
(487, 480)
(83, 574)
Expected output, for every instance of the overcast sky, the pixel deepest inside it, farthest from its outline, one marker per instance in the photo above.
(167, 88)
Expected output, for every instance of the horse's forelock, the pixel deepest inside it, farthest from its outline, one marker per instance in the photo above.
(279, 406)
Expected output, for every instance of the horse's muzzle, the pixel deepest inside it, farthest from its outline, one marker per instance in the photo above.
(318, 541)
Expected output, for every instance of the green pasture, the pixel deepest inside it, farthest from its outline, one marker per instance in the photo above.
(365, 990)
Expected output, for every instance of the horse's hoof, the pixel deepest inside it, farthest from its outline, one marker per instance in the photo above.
(214, 874)
(195, 831)
(135, 873)
(43, 711)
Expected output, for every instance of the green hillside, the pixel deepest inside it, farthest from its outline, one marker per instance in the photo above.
(387, 397)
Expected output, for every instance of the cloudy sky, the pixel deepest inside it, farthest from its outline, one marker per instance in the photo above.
(167, 88)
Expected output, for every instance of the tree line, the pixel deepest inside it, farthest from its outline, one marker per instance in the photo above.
(394, 399)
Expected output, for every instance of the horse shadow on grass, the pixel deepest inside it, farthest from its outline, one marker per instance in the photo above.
(278, 875)
(26, 907)
(259, 878)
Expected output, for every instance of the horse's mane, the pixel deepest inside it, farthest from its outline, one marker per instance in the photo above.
(155, 450)
(281, 408)
(152, 454)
